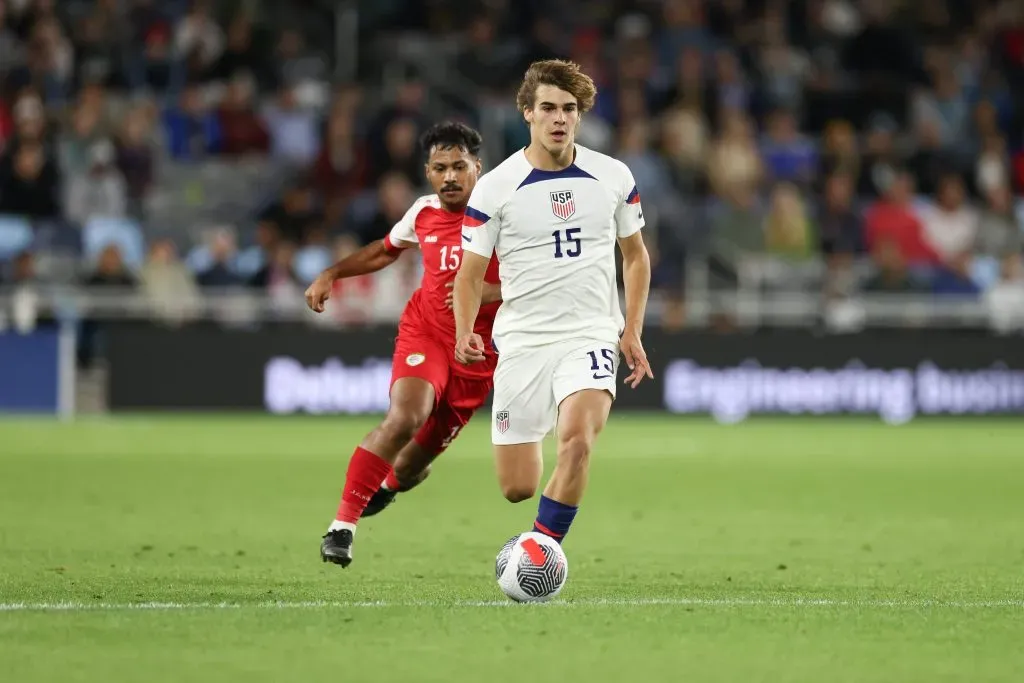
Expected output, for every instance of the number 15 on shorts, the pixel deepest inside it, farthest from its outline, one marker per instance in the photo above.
(602, 363)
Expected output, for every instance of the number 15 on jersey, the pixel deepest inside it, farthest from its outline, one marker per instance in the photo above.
(568, 237)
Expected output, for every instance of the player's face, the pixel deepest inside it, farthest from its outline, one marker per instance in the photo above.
(553, 119)
(452, 173)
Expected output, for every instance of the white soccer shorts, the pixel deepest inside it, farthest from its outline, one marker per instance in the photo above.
(530, 384)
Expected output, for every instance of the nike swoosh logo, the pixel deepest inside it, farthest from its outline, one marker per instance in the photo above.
(597, 376)
(467, 237)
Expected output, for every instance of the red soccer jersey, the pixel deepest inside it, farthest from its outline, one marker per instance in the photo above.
(439, 235)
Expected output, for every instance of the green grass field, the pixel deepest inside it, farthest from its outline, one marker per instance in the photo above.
(186, 549)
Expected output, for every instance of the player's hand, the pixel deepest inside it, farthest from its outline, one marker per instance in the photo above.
(469, 349)
(449, 298)
(319, 292)
(636, 358)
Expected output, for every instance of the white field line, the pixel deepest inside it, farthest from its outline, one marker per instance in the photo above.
(583, 602)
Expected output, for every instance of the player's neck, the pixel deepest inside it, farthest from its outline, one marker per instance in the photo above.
(543, 160)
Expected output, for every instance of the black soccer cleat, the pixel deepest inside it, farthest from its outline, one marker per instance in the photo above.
(380, 500)
(337, 547)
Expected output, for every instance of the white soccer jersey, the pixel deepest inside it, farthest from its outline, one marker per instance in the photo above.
(554, 233)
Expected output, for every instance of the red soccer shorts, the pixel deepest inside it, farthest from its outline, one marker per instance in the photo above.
(456, 398)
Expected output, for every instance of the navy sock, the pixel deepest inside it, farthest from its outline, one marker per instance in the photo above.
(554, 518)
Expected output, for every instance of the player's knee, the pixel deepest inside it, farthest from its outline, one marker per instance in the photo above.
(401, 425)
(517, 492)
(574, 450)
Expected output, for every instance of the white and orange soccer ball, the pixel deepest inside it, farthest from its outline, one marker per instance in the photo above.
(531, 567)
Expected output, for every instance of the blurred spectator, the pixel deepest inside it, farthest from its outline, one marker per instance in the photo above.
(839, 150)
(168, 286)
(735, 166)
(242, 131)
(730, 87)
(295, 215)
(294, 138)
(892, 275)
(241, 55)
(950, 225)
(193, 131)
(135, 157)
(30, 182)
(892, 219)
(277, 277)
(736, 231)
(943, 109)
(101, 191)
(295, 63)
(881, 162)
(401, 153)
(29, 120)
(25, 297)
(999, 233)
(157, 69)
(685, 144)
(992, 169)
(788, 155)
(49, 64)
(394, 196)
(221, 272)
(482, 62)
(839, 225)
(787, 227)
(110, 269)
(110, 272)
(198, 39)
(12, 52)
(340, 169)
(784, 70)
(1005, 301)
(98, 45)
(76, 144)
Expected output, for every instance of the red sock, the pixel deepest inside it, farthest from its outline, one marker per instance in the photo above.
(365, 473)
(391, 481)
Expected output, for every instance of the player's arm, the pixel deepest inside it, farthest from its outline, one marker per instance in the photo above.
(479, 233)
(371, 258)
(636, 275)
(467, 297)
(491, 293)
(375, 256)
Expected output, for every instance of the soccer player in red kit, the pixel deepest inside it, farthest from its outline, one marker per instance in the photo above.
(432, 396)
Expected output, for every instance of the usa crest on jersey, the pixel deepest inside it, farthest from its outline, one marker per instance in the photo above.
(562, 204)
(501, 421)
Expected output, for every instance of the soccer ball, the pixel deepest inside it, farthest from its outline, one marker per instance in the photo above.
(531, 567)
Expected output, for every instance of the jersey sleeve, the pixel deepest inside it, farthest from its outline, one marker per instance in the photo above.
(480, 225)
(629, 217)
(404, 231)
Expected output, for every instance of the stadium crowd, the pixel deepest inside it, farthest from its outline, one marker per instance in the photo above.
(879, 139)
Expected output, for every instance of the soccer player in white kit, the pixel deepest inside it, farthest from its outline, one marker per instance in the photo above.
(552, 213)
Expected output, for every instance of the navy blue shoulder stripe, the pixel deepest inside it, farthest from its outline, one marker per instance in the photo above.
(539, 176)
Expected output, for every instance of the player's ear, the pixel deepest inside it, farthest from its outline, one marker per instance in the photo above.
(528, 114)
(479, 167)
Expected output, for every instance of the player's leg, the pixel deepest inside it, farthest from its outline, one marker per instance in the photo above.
(523, 413)
(411, 467)
(463, 396)
(584, 386)
(418, 377)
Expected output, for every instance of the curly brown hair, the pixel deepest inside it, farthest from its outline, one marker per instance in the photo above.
(561, 74)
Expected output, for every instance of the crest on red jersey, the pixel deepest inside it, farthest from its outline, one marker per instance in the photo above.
(562, 204)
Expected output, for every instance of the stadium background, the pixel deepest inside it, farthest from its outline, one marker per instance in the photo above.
(847, 169)
(173, 172)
